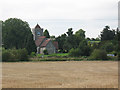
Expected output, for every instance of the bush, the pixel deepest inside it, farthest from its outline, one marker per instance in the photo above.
(74, 52)
(6, 55)
(82, 50)
(45, 52)
(33, 54)
(99, 54)
(118, 56)
(108, 46)
(23, 55)
(14, 55)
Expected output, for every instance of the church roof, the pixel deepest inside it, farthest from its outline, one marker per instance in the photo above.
(44, 44)
(40, 40)
(37, 26)
(55, 43)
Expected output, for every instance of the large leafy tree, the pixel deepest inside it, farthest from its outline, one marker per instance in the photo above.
(107, 34)
(118, 40)
(46, 33)
(79, 35)
(69, 32)
(82, 50)
(70, 40)
(61, 41)
(17, 34)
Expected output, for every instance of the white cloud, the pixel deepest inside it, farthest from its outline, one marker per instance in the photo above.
(84, 10)
(58, 9)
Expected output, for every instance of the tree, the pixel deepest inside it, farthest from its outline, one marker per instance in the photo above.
(118, 34)
(69, 32)
(61, 42)
(70, 40)
(82, 50)
(107, 34)
(79, 36)
(99, 54)
(17, 34)
(88, 39)
(107, 46)
(52, 37)
(46, 33)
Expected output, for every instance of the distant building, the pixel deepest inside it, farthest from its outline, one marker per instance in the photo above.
(42, 42)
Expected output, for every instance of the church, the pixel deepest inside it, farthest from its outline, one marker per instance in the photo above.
(42, 42)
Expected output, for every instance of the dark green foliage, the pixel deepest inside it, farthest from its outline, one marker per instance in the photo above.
(99, 54)
(14, 55)
(70, 32)
(70, 42)
(46, 33)
(62, 42)
(6, 55)
(45, 52)
(82, 50)
(88, 39)
(107, 46)
(33, 54)
(52, 38)
(74, 52)
(70, 39)
(17, 34)
(80, 34)
(23, 55)
(118, 56)
(30, 45)
(107, 34)
(117, 37)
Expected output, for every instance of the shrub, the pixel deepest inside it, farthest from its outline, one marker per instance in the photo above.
(45, 52)
(6, 55)
(82, 50)
(118, 56)
(33, 54)
(14, 55)
(74, 52)
(23, 55)
(99, 54)
(108, 46)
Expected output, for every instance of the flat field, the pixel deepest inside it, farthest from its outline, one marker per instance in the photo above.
(66, 74)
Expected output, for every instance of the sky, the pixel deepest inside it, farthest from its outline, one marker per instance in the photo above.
(59, 15)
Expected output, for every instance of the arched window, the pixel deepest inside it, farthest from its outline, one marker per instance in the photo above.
(38, 33)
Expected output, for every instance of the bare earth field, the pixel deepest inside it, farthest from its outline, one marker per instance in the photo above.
(67, 74)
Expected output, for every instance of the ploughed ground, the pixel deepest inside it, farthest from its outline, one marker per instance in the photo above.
(66, 74)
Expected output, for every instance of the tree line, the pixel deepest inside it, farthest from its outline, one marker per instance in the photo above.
(16, 34)
(78, 45)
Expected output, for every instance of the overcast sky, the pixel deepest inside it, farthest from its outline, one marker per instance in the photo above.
(59, 15)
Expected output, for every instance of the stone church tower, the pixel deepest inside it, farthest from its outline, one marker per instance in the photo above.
(42, 42)
(37, 32)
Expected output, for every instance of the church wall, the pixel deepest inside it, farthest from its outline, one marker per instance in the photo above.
(50, 48)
